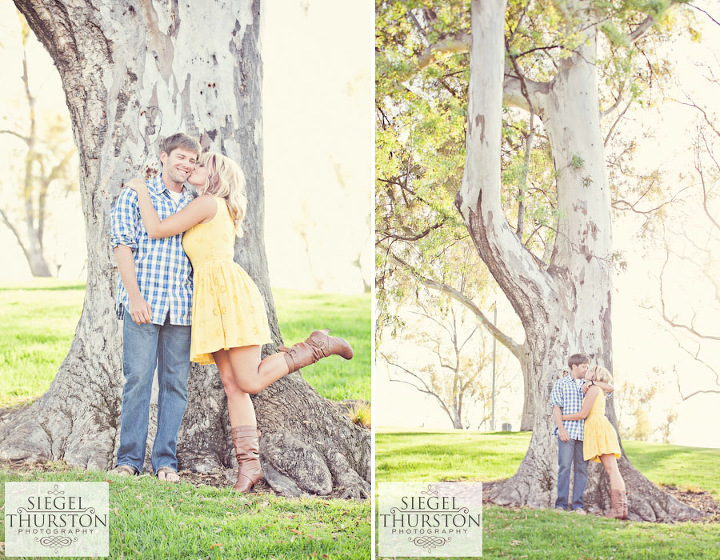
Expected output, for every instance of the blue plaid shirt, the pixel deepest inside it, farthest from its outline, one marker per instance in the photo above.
(568, 395)
(162, 268)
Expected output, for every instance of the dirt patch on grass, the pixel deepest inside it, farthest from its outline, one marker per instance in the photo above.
(219, 478)
(698, 499)
(693, 497)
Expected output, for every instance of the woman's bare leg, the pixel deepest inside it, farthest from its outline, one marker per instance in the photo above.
(611, 468)
(252, 375)
(240, 406)
(245, 436)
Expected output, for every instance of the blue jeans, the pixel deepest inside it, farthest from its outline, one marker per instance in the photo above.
(145, 347)
(569, 451)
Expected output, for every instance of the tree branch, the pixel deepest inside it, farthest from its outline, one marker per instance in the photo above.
(16, 134)
(535, 92)
(633, 206)
(689, 328)
(424, 389)
(716, 22)
(11, 227)
(515, 348)
(451, 45)
(646, 24)
(415, 237)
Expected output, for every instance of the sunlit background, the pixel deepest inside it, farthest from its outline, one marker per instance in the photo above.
(317, 119)
(654, 366)
(318, 122)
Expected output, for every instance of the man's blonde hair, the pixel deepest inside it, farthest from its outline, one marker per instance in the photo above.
(602, 374)
(226, 180)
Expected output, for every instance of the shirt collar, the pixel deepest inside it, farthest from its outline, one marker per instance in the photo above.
(157, 186)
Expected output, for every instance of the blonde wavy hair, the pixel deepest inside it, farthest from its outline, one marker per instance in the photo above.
(602, 374)
(226, 180)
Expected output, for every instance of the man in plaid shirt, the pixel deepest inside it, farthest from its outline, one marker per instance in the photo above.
(566, 398)
(154, 301)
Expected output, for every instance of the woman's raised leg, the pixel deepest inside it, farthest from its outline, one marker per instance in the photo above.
(252, 375)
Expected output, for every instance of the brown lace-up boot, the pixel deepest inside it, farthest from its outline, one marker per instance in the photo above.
(247, 452)
(318, 345)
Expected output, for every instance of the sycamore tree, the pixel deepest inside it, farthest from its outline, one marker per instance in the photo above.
(420, 114)
(559, 76)
(563, 304)
(134, 73)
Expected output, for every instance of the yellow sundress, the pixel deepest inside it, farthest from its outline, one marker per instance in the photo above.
(600, 437)
(228, 310)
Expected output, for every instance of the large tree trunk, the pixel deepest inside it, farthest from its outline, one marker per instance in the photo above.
(134, 73)
(564, 308)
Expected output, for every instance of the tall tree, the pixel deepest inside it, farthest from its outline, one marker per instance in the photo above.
(133, 73)
(422, 74)
(564, 305)
(48, 159)
(421, 97)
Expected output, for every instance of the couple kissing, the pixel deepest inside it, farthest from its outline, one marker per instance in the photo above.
(182, 298)
(585, 434)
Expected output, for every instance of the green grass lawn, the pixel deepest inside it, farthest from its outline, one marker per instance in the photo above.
(39, 320)
(154, 521)
(149, 520)
(545, 534)
(686, 467)
(38, 324)
(348, 316)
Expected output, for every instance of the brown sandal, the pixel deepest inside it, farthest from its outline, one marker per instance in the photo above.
(123, 470)
(167, 474)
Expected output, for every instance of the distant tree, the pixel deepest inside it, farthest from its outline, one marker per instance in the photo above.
(49, 162)
(666, 427)
(691, 243)
(639, 400)
(458, 374)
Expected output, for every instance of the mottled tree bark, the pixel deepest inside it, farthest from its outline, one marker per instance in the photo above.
(134, 73)
(565, 306)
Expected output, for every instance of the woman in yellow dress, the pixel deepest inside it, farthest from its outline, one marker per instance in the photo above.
(229, 321)
(600, 441)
